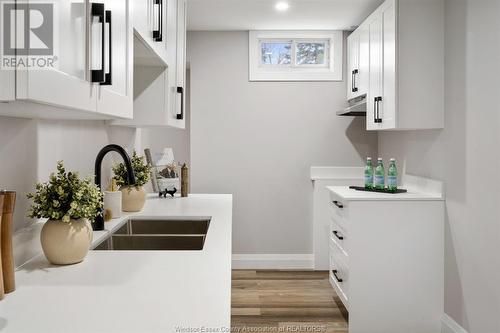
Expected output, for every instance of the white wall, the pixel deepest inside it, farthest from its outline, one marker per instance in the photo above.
(31, 148)
(465, 155)
(18, 161)
(257, 140)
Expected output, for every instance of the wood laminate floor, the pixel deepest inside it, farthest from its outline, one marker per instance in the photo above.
(285, 301)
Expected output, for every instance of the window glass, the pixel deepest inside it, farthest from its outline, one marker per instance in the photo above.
(311, 53)
(276, 53)
(295, 55)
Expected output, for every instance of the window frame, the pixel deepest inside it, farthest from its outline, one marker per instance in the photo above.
(332, 71)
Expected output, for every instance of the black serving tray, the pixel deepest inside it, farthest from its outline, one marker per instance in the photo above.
(361, 188)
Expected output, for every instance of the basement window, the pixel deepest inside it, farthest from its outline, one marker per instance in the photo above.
(295, 55)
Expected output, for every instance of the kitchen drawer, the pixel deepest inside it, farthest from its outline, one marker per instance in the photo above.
(340, 219)
(339, 238)
(339, 274)
(339, 207)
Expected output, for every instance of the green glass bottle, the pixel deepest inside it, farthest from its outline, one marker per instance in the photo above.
(369, 174)
(379, 179)
(392, 176)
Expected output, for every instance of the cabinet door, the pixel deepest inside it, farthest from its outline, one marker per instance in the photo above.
(150, 20)
(143, 14)
(66, 84)
(388, 105)
(363, 77)
(176, 44)
(375, 90)
(352, 64)
(7, 85)
(115, 95)
(180, 106)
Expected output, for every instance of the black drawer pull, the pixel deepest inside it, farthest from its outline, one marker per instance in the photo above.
(180, 90)
(108, 77)
(354, 85)
(97, 10)
(158, 33)
(335, 272)
(336, 233)
(338, 204)
(377, 103)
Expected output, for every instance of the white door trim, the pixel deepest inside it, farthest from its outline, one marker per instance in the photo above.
(451, 326)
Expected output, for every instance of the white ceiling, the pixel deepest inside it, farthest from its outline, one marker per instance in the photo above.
(261, 14)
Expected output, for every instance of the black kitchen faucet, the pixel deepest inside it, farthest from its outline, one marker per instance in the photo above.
(99, 220)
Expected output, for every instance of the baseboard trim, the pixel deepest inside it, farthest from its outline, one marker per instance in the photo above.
(273, 261)
(451, 326)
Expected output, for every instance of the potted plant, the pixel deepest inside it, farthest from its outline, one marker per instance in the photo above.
(133, 196)
(70, 204)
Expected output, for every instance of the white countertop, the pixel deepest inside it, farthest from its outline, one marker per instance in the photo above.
(345, 193)
(132, 291)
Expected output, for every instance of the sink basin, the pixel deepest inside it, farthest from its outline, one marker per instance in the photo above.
(158, 235)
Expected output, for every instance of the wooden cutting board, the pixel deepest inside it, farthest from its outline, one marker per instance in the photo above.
(7, 255)
(2, 292)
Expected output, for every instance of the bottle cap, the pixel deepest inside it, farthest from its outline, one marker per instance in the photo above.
(368, 158)
(379, 159)
(393, 160)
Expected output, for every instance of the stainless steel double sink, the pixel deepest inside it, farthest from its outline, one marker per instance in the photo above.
(158, 235)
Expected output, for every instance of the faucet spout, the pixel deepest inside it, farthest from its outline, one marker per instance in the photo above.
(99, 221)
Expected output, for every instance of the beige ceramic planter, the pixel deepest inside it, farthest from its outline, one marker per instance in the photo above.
(66, 243)
(133, 198)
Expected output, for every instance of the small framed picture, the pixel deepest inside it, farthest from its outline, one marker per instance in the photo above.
(164, 171)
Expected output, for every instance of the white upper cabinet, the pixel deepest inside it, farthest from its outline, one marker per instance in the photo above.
(159, 83)
(91, 72)
(178, 82)
(381, 97)
(404, 40)
(150, 24)
(352, 64)
(358, 63)
(115, 95)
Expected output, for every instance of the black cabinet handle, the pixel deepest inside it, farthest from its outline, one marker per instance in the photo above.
(335, 272)
(158, 34)
(336, 233)
(338, 204)
(353, 81)
(108, 77)
(180, 90)
(97, 10)
(159, 39)
(377, 102)
(375, 117)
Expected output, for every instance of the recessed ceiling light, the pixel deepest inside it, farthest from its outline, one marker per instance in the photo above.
(282, 6)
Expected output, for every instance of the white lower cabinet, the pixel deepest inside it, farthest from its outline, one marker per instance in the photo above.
(339, 273)
(91, 76)
(386, 261)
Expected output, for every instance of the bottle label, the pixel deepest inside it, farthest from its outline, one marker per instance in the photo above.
(392, 181)
(379, 180)
(368, 180)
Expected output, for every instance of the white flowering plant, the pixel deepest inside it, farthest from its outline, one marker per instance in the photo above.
(66, 197)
